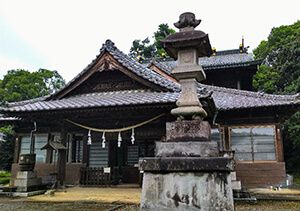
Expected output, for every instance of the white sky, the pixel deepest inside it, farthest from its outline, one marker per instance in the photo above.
(66, 35)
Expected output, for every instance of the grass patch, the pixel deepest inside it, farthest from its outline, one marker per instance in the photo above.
(297, 178)
(4, 177)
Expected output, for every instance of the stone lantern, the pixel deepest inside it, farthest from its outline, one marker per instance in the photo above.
(26, 179)
(187, 46)
(188, 171)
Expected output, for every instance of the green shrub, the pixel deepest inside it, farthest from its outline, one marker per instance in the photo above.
(4, 177)
(297, 178)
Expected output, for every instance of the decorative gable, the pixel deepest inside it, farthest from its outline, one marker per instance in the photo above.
(131, 75)
(107, 81)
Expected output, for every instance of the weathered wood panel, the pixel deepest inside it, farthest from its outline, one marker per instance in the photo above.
(254, 174)
(93, 176)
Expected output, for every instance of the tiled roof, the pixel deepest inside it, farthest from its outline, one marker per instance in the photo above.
(131, 64)
(232, 99)
(138, 68)
(223, 59)
(101, 99)
(225, 99)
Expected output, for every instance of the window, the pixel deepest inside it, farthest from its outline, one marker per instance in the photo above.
(253, 143)
(215, 135)
(25, 145)
(98, 156)
(77, 148)
(40, 141)
(132, 155)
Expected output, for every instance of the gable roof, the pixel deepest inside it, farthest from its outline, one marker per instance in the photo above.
(136, 68)
(222, 60)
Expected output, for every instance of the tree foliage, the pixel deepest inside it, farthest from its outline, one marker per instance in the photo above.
(280, 73)
(7, 147)
(292, 143)
(142, 49)
(281, 56)
(21, 84)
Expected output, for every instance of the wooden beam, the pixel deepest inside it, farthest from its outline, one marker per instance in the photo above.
(85, 151)
(62, 159)
(17, 149)
(279, 144)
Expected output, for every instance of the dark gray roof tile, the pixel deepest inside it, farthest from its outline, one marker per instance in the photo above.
(231, 99)
(223, 59)
(225, 99)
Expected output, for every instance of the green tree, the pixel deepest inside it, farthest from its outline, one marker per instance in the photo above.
(6, 147)
(280, 73)
(142, 49)
(281, 56)
(21, 84)
(163, 31)
(266, 79)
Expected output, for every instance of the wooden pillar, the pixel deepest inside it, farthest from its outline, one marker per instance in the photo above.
(279, 144)
(238, 85)
(17, 149)
(62, 159)
(226, 138)
(85, 152)
(49, 151)
(49, 155)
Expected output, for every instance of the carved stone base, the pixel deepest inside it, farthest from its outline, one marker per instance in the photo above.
(187, 191)
(188, 130)
(188, 172)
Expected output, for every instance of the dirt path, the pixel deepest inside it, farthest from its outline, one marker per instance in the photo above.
(105, 195)
(127, 199)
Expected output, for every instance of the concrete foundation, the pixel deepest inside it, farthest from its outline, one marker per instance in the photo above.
(187, 191)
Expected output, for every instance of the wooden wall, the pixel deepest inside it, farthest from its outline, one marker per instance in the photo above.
(255, 174)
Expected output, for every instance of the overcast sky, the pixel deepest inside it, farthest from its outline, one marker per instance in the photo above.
(67, 35)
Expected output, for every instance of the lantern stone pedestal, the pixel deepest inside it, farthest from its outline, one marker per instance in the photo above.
(187, 172)
(27, 179)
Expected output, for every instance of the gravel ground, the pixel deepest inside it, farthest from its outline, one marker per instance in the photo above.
(120, 199)
(7, 204)
(25, 205)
